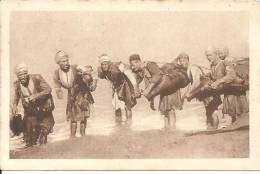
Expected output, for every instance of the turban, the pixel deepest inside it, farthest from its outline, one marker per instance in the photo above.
(85, 69)
(21, 68)
(224, 50)
(183, 56)
(104, 58)
(60, 55)
(211, 49)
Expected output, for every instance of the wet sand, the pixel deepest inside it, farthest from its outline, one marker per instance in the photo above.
(145, 144)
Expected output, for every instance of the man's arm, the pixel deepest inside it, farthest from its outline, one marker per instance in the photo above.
(57, 85)
(16, 99)
(45, 88)
(101, 75)
(132, 78)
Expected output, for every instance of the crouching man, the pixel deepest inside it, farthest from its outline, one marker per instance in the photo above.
(37, 102)
(152, 75)
(124, 85)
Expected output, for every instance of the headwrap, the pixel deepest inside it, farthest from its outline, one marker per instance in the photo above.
(183, 55)
(211, 49)
(224, 50)
(59, 55)
(104, 58)
(84, 69)
(21, 68)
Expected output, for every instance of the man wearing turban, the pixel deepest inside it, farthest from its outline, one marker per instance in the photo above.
(35, 94)
(77, 80)
(125, 88)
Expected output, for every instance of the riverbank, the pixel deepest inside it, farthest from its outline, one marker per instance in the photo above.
(143, 144)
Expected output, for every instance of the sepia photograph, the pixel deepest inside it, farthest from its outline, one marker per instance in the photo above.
(128, 84)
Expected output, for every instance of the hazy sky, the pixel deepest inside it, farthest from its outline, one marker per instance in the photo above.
(35, 37)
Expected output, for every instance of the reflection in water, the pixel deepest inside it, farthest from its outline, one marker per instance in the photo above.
(101, 121)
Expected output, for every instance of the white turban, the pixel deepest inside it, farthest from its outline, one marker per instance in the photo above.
(59, 55)
(21, 68)
(85, 69)
(104, 58)
(211, 49)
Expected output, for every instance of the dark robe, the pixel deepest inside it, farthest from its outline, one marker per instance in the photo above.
(120, 83)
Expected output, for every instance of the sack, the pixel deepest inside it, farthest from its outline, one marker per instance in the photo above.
(173, 78)
(17, 125)
(242, 70)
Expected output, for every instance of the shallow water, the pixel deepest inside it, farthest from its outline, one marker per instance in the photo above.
(101, 121)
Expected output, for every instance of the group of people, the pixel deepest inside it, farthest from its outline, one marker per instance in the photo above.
(125, 79)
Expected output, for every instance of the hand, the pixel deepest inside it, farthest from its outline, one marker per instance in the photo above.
(14, 110)
(152, 105)
(27, 100)
(32, 98)
(214, 85)
(137, 93)
(59, 94)
(145, 92)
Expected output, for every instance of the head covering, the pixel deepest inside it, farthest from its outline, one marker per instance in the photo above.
(89, 69)
(59, 55)
(183, 56)
(85, 69)
(134, 57)
(21, 68)
(211, 49)
(104, 58)
(224, 50)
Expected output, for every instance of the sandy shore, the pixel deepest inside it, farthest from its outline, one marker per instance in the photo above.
(146, 144)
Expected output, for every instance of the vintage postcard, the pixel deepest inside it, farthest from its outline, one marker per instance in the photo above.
(130, 85)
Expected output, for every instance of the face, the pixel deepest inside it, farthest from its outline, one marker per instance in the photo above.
(23, 77)
(64, 64)
(105, 66)
(136, 65)
(222, 55)
(212, 57)
(184, 62)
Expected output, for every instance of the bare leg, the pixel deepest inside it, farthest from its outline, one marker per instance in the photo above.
(83, 125)
(118, 116)
(128, 116)
(73, 129)
(172, 119)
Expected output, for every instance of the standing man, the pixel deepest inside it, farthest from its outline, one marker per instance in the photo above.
(233, 105)
(124, 85)
(68, 77)
(152, 74)
(37, 102)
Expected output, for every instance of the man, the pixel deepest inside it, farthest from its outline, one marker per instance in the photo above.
(67, 77)
(37, 102)
(152, 74)
(211, 103)
(82, 97)
(233, 105)
(125, 89)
